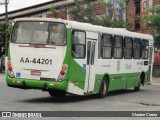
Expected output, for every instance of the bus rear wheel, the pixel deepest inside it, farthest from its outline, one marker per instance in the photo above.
(142, 78)
(137, 88)
(103, 89)
(57, 93)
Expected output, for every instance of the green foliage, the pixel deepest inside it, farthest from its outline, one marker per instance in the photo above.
(153, 22)
(157, 41)
(52, 11)
(2, 35)
(2, 28)
(82, 11)
(121, 4)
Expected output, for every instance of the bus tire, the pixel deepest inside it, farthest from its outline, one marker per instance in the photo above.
(57, 93)
(142, 78)
(103, 88)
(137, 88)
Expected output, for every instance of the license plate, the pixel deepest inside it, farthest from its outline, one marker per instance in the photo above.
(36, 73)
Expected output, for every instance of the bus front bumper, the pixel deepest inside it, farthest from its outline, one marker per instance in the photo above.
(36, 84)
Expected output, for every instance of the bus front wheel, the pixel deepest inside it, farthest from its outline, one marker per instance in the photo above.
(57, 93)
(103, 89)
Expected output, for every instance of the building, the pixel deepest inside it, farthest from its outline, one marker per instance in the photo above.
(156, 2)
(134, 14)
(137, 9)
(40, 10)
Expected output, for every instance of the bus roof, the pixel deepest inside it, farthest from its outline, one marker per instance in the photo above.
(93, 28)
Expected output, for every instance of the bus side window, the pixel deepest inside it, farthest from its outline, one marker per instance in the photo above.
(106, 46)
(118, 44)
(137, 48)
(127, 48)
(78, 44)
(145, 46)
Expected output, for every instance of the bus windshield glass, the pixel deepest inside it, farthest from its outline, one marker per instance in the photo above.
(27, 32)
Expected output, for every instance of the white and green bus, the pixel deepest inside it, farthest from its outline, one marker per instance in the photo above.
(61, 56)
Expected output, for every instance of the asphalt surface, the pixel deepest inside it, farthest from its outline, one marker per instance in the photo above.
(147, 99)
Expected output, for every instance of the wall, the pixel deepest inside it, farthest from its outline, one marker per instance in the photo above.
(145, 5)
(131, 14)
(156, 2)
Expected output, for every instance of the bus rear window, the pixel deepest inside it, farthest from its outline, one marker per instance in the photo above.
(39, 33)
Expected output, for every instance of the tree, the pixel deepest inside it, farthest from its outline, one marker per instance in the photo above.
(53, 12)
(153, 22)
(83, 11)
(2, 36)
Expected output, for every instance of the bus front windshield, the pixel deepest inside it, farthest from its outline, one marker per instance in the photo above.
(27, 32)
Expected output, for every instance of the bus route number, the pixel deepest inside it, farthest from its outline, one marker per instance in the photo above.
(36, 61)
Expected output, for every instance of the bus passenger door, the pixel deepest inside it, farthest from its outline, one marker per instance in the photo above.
(90, 68)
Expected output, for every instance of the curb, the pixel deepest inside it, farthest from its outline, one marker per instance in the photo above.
(155, 83)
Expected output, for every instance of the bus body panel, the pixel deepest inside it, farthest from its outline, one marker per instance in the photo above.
(80, 78)
(36, 84)
(77, 77)
(48, 61)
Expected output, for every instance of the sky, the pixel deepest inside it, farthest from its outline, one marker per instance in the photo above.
(18, 4)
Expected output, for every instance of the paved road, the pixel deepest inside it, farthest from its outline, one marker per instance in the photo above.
(13, 99)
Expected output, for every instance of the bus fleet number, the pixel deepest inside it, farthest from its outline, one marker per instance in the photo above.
(39, 61)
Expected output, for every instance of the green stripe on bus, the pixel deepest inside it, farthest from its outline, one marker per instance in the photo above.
(119, 81)
(75, 73)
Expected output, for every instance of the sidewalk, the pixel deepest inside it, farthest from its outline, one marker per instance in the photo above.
(156, 80)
